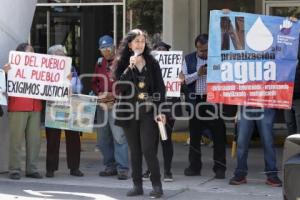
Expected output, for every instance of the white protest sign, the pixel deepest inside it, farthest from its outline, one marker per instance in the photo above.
(3, 100)
(38, 76)
(15, 22)
(170, 64)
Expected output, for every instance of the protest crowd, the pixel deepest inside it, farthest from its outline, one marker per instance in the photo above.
(137, 94)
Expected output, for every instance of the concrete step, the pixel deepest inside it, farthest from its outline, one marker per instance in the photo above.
(183, 135)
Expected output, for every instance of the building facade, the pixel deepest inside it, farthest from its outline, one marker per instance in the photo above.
(183, 20)
(77, 24)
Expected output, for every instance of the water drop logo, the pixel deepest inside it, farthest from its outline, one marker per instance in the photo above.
(286, 26)
(259, 38)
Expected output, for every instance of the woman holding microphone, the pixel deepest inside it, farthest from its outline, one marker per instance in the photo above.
(141, 88)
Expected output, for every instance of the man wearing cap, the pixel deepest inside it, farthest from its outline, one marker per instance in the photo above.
(110, 138)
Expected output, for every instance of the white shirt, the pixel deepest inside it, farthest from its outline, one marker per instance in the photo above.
(200, 87)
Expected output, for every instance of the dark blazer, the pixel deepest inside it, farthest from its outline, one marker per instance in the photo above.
(156, 86)
(1, 111)
(296, 94)
(191, 64)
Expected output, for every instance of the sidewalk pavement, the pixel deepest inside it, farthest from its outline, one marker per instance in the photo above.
(91, 186)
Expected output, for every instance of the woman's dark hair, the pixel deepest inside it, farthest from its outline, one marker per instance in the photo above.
(22, 46)
(121, 61)
(202, 38)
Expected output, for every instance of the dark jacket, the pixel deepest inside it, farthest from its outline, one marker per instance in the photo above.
(99, 83)
(1, 111)
(296, 94)
(191, 64)
(156, 86)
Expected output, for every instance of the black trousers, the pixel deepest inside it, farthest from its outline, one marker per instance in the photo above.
(167, 146)
(142, 137)
(72, 147)
(218, 130)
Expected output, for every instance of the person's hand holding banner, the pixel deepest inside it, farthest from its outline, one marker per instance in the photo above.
(105, 97)
(6, 67)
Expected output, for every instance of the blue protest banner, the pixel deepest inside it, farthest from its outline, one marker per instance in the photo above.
(251, 59)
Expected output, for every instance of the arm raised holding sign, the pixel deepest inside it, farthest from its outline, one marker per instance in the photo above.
(6, 67)
(26, 113)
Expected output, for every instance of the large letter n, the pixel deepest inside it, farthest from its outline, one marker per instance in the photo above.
(237, 35)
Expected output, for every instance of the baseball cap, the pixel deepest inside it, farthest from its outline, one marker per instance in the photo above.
(105, 41)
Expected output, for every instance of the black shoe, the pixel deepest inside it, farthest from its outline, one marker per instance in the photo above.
(220, 174)
(76, 172)
(50, 174)
(122, 175)
(34, 175)
(108, 172)
(237, 180)
(157, 192)
(146, 176)
(135, 191)
(15, 176)
(168, 177)
(274, 181)
(190, 172)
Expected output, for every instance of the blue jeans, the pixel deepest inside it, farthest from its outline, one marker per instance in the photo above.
(245, 130)
(111, 141)
(292, 117)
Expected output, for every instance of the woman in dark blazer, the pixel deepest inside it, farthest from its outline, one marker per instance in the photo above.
(141, 91)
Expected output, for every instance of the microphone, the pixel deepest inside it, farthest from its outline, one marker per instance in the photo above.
(136, 53)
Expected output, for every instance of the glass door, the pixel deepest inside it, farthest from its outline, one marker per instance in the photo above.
(77, 24)
(65, 30)
(57, 25)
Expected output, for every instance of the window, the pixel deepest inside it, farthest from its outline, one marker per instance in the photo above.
(80, 1)
(237, 5)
